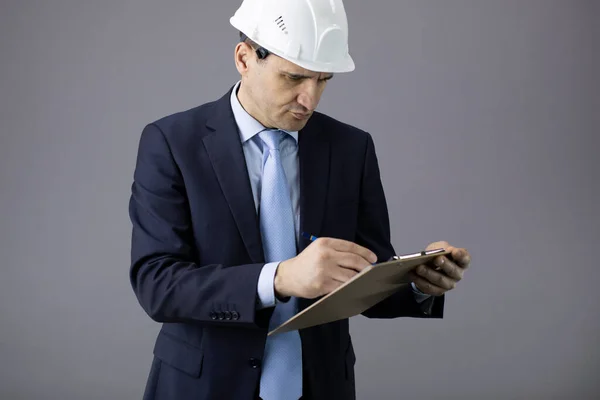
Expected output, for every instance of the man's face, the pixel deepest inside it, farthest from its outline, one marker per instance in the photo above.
(280, 94)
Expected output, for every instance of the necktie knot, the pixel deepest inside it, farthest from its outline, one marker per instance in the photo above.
(272, 138)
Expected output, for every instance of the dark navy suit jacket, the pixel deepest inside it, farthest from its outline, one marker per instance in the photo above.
(197, 253)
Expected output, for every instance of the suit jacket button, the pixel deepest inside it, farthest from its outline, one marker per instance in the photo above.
(227, 315)
(235, 315)
(221, 315)
(254, 363)
(212, 315)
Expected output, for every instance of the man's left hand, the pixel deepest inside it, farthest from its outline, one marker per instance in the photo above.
(444, 272)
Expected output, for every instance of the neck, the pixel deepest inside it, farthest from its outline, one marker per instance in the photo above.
(249, 106)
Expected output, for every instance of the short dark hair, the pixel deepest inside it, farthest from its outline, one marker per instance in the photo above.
(261, 52)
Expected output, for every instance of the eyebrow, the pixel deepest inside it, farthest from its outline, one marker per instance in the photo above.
(300, 76)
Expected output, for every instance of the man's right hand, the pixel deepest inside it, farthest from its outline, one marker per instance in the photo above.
(323, 266)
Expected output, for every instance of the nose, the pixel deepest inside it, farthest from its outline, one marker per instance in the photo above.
(309, 96)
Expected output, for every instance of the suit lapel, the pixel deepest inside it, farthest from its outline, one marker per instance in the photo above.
(225, 152)
(226, 155)
(314, 154)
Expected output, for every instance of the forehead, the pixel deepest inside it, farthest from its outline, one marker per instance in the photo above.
(289, 67)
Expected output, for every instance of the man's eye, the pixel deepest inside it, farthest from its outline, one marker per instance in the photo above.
(294, 78)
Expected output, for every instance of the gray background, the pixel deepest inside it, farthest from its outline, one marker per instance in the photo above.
(485, 115)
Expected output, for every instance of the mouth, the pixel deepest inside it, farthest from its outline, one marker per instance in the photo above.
(300, 116)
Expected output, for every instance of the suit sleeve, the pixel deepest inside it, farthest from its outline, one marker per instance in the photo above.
(167, 282)
(373, 232)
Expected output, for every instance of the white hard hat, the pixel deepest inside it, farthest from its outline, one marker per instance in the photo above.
(310, 33)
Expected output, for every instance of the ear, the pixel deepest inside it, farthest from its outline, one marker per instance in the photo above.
(243, 56)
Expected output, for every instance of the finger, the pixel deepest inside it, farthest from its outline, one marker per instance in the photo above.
(350, 247)
(351, 261)
(437, 278)
(342, 275)
(330, 286)
(461, 257)
(449, 267)
(427, 287)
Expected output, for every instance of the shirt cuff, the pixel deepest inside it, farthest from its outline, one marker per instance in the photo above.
(419, 296)
(266, 286)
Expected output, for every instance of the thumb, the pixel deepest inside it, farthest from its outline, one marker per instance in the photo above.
(438, 245)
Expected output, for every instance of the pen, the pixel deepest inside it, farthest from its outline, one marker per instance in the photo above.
(309, 237)
(312, 238)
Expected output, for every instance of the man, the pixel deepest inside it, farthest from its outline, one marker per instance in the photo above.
(221, 196)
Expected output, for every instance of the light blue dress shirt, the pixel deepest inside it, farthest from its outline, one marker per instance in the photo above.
(252, 145)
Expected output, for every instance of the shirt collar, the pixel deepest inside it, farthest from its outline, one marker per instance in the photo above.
(247, 125)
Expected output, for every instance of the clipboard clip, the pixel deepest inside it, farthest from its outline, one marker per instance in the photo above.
(423, 253)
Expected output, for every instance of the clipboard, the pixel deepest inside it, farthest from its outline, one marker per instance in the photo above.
(367, 288)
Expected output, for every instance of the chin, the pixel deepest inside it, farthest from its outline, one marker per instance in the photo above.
(294, 124)
(297, 126)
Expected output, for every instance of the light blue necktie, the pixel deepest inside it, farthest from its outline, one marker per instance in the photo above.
(281, 377)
